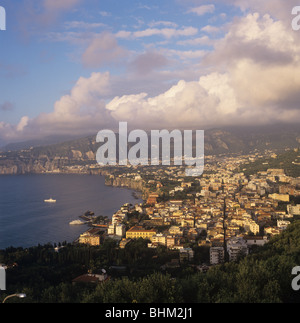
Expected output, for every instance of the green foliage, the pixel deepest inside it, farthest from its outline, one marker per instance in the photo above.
(289, 161)
(154, 288)
(46, 276)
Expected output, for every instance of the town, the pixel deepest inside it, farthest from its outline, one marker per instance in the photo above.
(224, 210)
(186, 239)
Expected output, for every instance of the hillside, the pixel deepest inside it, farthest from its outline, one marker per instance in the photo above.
(265, 276)
(82, 151)
(288, 160)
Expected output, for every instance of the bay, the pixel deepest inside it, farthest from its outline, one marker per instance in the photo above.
(26, 220)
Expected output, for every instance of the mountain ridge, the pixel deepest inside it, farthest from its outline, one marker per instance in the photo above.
(83, 150)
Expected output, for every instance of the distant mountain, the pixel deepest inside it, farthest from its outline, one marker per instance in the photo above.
(50, 140)
(248, 139)
(83, 150)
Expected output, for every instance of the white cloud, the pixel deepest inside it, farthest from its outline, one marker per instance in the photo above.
(254, 82)
(164, 32)
(210, 29)
(163, 23)
(81, 111)
(83, 25)
(105, 14)
(278, 9)
(202, 10)
(186, 55)
(22, 124)
(199, 41)
(253, 79)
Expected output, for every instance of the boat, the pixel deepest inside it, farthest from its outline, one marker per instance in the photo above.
(50, 201)
(76, 222)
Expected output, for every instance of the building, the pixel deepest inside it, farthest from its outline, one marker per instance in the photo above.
(187, 222)
(176, 230)
(120, 230)
(272, 230)
(152, 199)
(293, 209)
(186, 254)
(236, 247)
(111, 229)
(90, 237)
(116, 229)
(159, 239)
(137, 232)
(251, 226)
(255, 240)
(280, 197)
(172, 241)
(123, 243)
(217, 255)
(287, 189)
(281, 224)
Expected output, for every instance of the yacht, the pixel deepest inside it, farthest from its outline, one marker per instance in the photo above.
(50, 201)
(76, 222)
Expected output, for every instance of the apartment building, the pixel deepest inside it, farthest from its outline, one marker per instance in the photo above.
(217, 255)
(137, 232)
(90, 237)
(236, 247)
(159, 238)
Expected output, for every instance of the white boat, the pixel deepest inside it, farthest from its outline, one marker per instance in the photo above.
(76, 222)
(50, 201)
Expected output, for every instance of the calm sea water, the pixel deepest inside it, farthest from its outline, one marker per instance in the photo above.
(26, 220)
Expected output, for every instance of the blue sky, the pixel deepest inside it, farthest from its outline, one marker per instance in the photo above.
(71, 65)
(41, 62)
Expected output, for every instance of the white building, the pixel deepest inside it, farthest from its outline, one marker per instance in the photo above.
(120, 230)
(251, 226)
(293, 209)
(111, 229)
(281, 224)
(159, 238)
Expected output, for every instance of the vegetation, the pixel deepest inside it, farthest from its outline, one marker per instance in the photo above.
(46, 276)
(289, 161)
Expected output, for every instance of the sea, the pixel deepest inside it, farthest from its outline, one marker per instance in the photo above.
(26, 220)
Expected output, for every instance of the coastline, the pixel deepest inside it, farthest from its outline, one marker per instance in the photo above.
(136, 186)
(134, 194)
(110, 178)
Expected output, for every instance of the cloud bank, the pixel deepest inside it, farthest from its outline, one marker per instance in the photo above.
(252, 79)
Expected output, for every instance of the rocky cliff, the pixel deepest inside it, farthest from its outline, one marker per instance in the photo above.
(137, 185)
(16, 166)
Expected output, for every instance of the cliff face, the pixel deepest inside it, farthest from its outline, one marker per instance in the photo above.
(9, 170)
(35, 166)
(51, 158)
(137, 185)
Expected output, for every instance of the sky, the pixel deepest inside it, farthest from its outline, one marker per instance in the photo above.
(72, 67)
